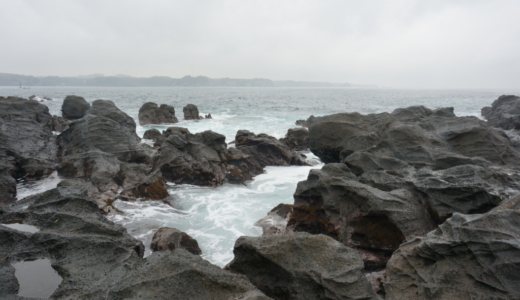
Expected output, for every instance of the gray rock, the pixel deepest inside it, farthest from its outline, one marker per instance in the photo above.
(167, 238)
(504, 112)
(74, 107)
(191, 112)
(296, 139)
(301, 266)
(275, 223)
(152, 134)
(467, 257)
(151, 113)
(97, 259)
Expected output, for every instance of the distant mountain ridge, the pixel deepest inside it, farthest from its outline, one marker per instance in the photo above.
(121, 80)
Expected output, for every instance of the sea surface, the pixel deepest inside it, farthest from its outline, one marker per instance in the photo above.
(216, 217)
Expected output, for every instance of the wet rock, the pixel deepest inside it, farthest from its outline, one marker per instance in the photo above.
(208, 116)
(191, 112)
(296, 139)
(151, 113)
(275, 223)
(58, 123)
(504, 112)
(27, 146)
(74, 107)
(193, 158)
(301, 266)
(152, 134)
(467, 257)
(171, 239)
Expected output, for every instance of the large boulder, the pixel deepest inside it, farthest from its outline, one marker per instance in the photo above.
(167, 238)
(504, 112)
(334, 202)
(301, 266)
(74, 107)
(191, 112)
(193, 158)
(151, 113)
(97, 259)
(417, 135)
(103, 148)
(467, 257)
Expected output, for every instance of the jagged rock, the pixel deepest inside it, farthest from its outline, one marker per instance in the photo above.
(275, 223)
(467, 257)
(58, 123)
(332, 201)
(416, 135)
(152, 134)
(74, 107)
(191, 112)
(301, 266)
(296, 139)
(208, 116)
(27, 146)
(266, 150)
(377, 280)
(504, 112)
(151, 113)
(97, 259)
(193, 158)
(171, 239)
(305, 123)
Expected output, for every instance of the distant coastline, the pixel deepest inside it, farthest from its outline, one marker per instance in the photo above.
(7, 79)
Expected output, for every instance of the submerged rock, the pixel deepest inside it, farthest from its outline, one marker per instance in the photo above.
(467, 257)
(191, 112)
(301, 266)
(74, 107)
(504, 112)
(151, 113)
(171, 239)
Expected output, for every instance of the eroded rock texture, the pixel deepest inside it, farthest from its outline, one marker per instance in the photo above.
(191, 112)
(467, 257)
(173, 239)
(504, 112)
(301, 266)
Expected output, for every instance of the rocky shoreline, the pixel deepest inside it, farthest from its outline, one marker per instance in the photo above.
(413, 204)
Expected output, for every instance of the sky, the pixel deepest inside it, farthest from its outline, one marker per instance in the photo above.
(398, 43)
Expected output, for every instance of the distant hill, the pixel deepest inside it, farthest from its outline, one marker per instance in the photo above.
(156, 81)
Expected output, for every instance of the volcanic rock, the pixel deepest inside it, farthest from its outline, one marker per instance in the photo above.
(152, 134)
(301, 266)
(275, 223)
(74, 107)
(97, 259)
(151, 113)
(467, 257)
(191, 112)
(173, 239)
(296, 139)
(504, 112)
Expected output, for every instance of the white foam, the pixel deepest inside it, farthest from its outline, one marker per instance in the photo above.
(24, 189)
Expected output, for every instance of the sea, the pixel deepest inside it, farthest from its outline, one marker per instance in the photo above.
(216, 217)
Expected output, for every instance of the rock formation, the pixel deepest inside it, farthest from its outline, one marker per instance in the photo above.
(301, 266)
(151, 113)
(467, 257)
(152, 134)
(191, 112)
(504, 112)
(171, 239)
(297, 139)
(74, 107)
(97, 259)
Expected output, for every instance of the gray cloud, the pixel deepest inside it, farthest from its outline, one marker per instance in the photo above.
(405, 43)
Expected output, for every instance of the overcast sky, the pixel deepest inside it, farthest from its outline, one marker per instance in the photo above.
(408, 44)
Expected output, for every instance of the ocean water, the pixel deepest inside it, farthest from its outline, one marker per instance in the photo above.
(216, 217)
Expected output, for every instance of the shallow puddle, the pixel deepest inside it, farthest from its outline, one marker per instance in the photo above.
(37, 278)
(22, 227)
